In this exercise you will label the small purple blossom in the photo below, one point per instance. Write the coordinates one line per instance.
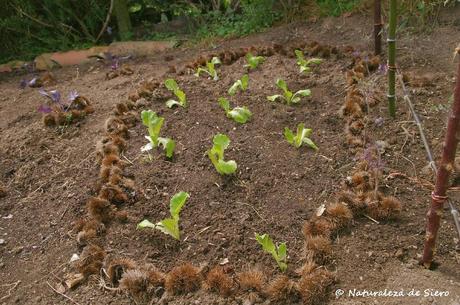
(73, 95)
(23, 84)
(372, 156)
(53, 95)
(383, 68)
(109, 30)
(115, 64)
(356, 53)
(379, 121)
(44, 109)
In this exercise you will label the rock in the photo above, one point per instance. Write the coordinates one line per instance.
(2, 242)
(141, 103)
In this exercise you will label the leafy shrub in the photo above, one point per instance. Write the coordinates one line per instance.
(171, 85)
(279, 252)
(154, 123)
(302, 137)
(170, 225)
(239, 84)
(288, 96)
(238, 114)
(216, 155)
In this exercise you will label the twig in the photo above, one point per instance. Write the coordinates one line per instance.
(63, 295)
(252, 208)
(107, 19)
(370, 218)
(15, 284)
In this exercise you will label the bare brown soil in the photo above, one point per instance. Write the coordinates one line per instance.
(49, 173)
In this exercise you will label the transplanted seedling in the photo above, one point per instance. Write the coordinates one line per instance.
(171, 85)
(154, 123)
(253, 61)
(305, 64)
(288, 96)
(302, 137)
(170, 225)
(216, 155)
(210, 68)
(239, 84)
(279, 252)
(238, 114)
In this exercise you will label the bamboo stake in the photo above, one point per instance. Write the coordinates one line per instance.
(378, 27)
(442, 179)
(432, 164)
(392, 59)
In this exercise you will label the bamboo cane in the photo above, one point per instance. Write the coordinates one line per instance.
(442, 179)
(392, 59)
(377, 27)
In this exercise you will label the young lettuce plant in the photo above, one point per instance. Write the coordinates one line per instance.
(170, 225)
(210, 68)
(253, 61)
(216, 155)
(238, 114)
(288, 96)
(302, 137)
(239, 84)
(305, 64)
(279, 252)
(154, 123)
(171, 85)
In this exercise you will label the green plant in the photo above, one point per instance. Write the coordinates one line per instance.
(305, 64)
(336, 7)
(171, 85)
(216, 155)
(238, 114)
(253, 61)
(241, 84)
(288, 96)
(210, 68)
(154, 124)
(279, 252)
(170, 225)
(302, 136)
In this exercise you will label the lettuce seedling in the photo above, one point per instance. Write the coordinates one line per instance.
(288, 96)
(241, 84)
(279, 253)
(301, 137)
(253, 61)
(238, 114)
(305, 64)
(154, 123)
(210, 68)
(171, 85)
(170, 225)
(216, 155)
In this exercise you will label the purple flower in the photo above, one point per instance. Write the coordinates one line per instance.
(379, 122)
(383, 68)
(109, 30)
(44, 109)
(356, 53)
(32, 82)
(73, 95)
(115, 64)
(23, 84)
(53, 95)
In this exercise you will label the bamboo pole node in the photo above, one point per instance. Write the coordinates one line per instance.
(391, 39)
(438, 198)
(391, 95)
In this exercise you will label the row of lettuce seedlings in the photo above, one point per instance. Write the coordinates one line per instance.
(145, 281)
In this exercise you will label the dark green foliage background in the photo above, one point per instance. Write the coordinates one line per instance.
(31, 27)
